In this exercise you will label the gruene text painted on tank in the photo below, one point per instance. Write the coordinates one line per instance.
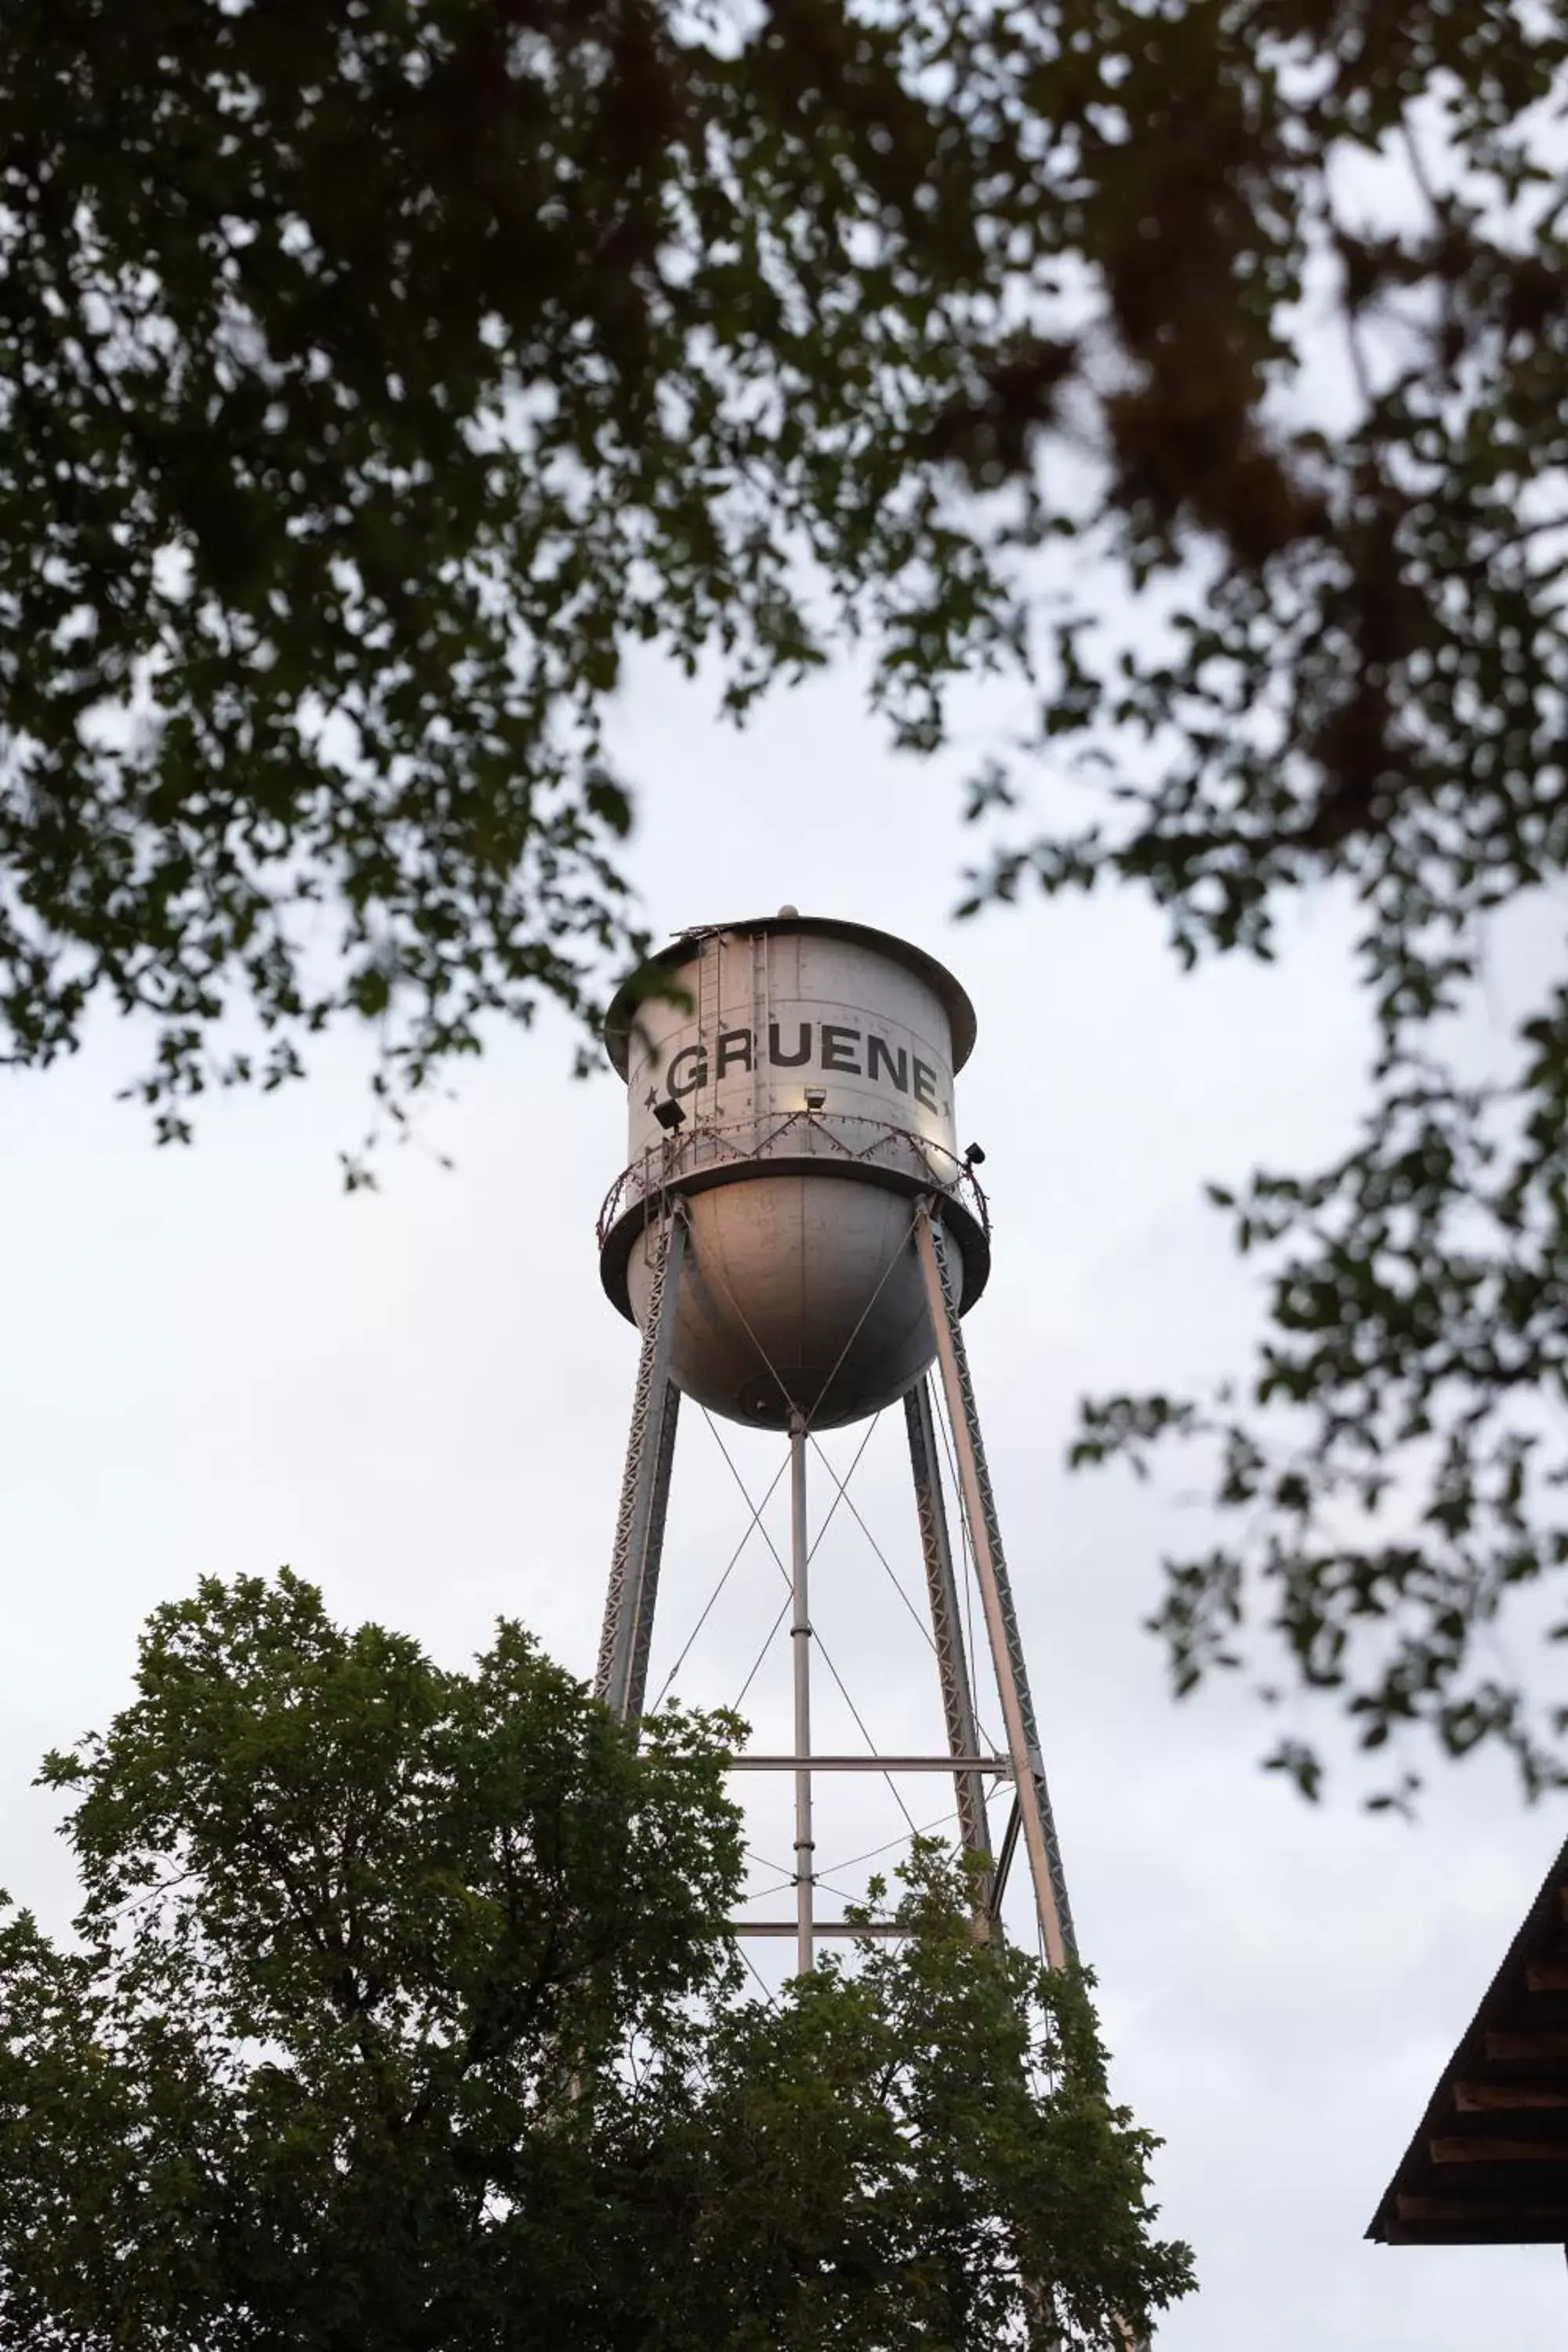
(828, 1046)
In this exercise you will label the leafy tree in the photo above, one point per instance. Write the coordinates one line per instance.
(400, 2013)
(1357, 533)
(374, 375)
(378, 373)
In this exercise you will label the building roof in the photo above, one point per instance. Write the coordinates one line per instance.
(1488, 2164)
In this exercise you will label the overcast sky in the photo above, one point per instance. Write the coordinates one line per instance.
(213, 1361)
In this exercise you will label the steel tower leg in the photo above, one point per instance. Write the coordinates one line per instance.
(800, 1645)
(1031, 1795)
(622, 1671)
(947, 1629)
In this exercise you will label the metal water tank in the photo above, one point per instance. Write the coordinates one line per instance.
(800, 1100)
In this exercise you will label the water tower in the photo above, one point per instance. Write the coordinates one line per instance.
(797, 1237)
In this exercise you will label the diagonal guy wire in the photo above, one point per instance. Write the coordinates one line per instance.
(756, 1509)
(822, 1646)
(892, 1574)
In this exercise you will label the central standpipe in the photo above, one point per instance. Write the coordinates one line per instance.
(800, 1643)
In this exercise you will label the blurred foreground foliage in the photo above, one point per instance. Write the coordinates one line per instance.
(378, 374)
(1335, 450)
(400, 2015)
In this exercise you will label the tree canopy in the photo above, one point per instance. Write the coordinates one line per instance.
(400, 2016)
(377, 374)
(374, 376)
(1350, 344)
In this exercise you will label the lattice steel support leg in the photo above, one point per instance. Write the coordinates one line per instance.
(645, 1489)
(947, 1630)
(1032, 1796)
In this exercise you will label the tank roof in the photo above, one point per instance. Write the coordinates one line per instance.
(955, 1004)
